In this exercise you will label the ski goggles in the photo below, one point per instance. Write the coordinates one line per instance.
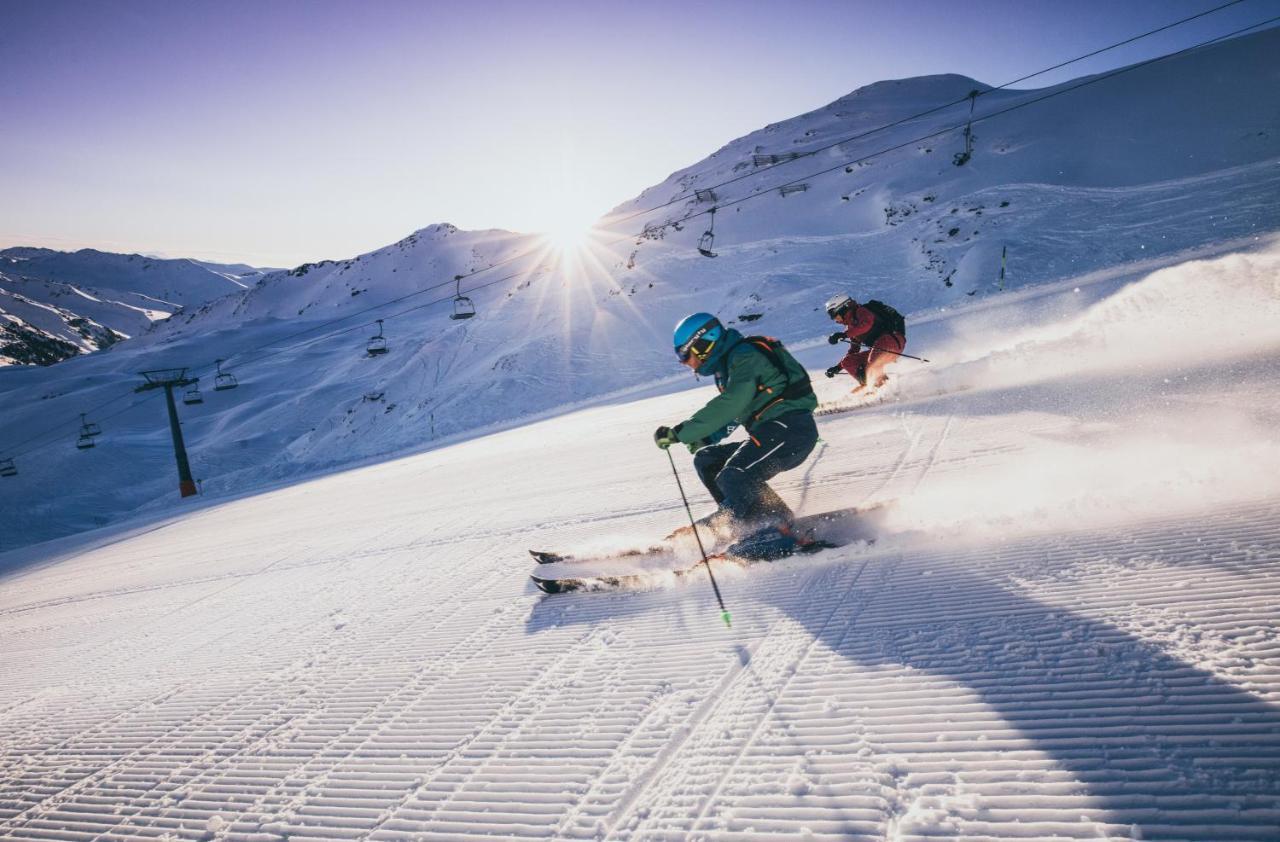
(696, 346)
(840, 309)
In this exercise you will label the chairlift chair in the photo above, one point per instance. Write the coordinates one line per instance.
(463, 308)
(84, 442)
(377, 344)
(962, 158)
(193, 396)
(708, 239)
(88, 428)
(223, 380)
(7, 468)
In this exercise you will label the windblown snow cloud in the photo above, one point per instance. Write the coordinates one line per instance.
(1164, 421)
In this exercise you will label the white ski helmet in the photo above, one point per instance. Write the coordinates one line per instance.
(839, 303)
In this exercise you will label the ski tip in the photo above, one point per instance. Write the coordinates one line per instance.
(547, 585)
(544, 557)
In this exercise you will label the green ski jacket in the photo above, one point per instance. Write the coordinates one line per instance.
(755, 385)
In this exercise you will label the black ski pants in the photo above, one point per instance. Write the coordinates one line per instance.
(737, 474)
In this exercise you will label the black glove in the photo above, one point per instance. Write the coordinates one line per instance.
(664, 437)
(836, 338)
(833, 371)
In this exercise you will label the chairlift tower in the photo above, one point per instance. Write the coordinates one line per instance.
(168, 379)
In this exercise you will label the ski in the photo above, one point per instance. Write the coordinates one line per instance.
(558, 572)
(622, 582)
(747, 551)
(544, 557)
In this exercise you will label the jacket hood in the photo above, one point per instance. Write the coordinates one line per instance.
(720, 352)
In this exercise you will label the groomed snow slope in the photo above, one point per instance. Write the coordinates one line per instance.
(1064, 629)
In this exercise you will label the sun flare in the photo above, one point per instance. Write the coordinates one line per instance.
(568, 236)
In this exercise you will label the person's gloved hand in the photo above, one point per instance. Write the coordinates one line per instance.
(664, 437)
(836, 338)
(695, 446)
(833, 371)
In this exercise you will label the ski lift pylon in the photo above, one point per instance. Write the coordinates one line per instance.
(377, 344)
(223, 380)
(708, 239)
(463, 308)
(7, 468)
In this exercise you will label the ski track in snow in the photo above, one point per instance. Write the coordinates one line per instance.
(1065, 628)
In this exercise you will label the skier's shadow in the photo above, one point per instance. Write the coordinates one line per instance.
(1156, 741)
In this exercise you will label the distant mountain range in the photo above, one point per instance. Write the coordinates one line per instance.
(55, 305)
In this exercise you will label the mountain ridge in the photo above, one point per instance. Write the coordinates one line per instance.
(55, 305)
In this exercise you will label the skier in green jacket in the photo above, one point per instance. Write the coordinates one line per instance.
(767, 392)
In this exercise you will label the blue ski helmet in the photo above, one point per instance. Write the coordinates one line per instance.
(696, 335)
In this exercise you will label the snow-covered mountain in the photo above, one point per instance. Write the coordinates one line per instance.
(55, 305)
(1177, 158)
(1054, 618)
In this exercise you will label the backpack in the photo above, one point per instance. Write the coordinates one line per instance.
(798, 385)
(888, 320)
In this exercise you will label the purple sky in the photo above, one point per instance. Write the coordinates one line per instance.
(278, 132)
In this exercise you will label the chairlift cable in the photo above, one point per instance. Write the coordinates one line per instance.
(525, 254)
(363, 325)
(58, 431)
(371, 308)
(44, 440)
(1090, 81)
(51, 434)
(811, 152)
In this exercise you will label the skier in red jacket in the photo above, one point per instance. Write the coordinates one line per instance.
(875, 325)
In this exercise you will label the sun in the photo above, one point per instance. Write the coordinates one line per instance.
(567, 222)
(568, 236)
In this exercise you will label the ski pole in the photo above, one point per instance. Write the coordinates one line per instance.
(898, 353)
(724, 612)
